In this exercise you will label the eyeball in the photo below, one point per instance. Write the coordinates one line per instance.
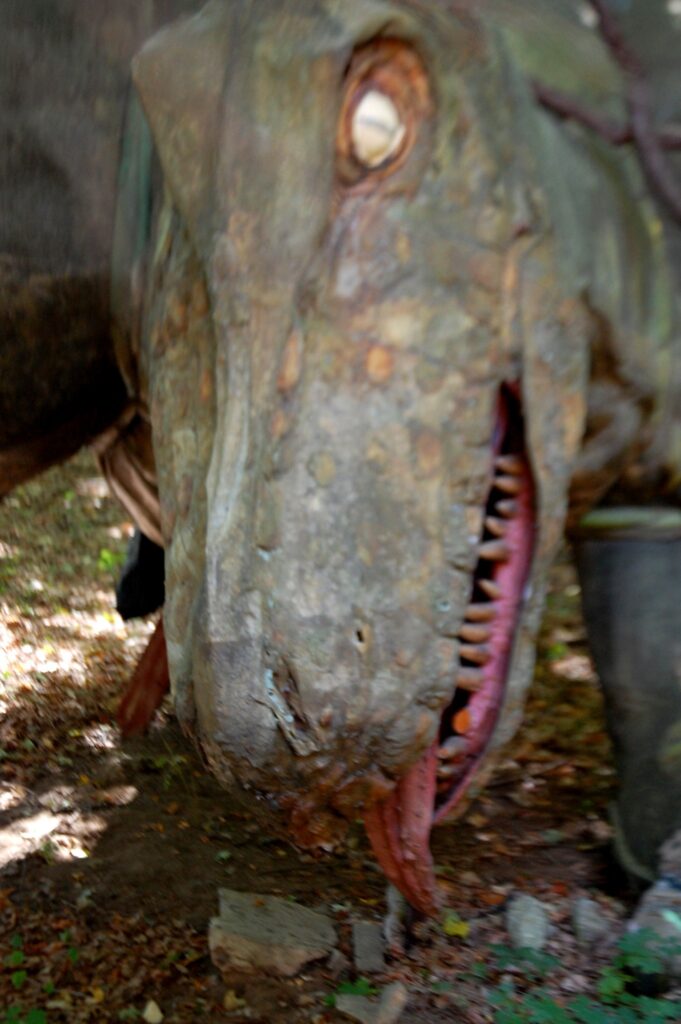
(385, 114)
(376, 129)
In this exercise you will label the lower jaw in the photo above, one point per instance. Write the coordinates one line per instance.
(399, 827)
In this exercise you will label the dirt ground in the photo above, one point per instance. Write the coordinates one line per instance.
(112, 854)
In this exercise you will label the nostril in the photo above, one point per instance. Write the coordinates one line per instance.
(362, 637)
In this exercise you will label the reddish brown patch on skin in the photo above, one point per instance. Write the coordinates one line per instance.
(149, 684)
(404, 658)
(199, 299)
(428, 452)
(291, 363)
(177, 314)
(447, 654)
(279, 425)
(361, 792)
(487, 270)
(379, 364)
(423, 727)
(206, 386)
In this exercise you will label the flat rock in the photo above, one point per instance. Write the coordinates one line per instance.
(588, 921)
(266, 933)
(527, 921)
(357, 1008)
(394, 998)
(387, 1010)
(368, 947)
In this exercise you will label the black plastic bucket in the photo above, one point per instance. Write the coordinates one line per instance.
(629, 563)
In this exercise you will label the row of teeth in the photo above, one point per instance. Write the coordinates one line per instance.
(476, 630)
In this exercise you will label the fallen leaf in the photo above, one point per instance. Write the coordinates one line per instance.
(492, 899)
(477, 820)
(455, 926)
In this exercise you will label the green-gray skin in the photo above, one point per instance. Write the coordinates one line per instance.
(322, 363)
(321, 356)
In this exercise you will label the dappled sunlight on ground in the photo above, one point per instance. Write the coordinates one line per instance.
(112, 853)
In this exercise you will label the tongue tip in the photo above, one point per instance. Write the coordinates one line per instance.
(399, 832)
(414, 879)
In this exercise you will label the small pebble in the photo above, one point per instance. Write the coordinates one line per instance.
(387, 1010)
(588, 921)
(152, 1013)
(368, 947)
(393, 1001)
(527, 921)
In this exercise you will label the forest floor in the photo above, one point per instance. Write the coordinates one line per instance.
(112, 853)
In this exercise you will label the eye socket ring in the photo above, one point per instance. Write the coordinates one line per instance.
(385, 108)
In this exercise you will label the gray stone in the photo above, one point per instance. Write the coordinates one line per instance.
(357, 1008)
(387, 1010)
(265, 933)
(660, 910)
(527, 921)
(394, 928)
(338, 964)
(368, 947)
(394, 998)
(588, 921)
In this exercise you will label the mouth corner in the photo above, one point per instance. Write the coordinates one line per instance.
(399, 828)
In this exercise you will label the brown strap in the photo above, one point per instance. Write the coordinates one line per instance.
(126, 458)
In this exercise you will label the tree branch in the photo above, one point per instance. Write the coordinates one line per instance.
(640, 130)
(640, 105)
(568, 109)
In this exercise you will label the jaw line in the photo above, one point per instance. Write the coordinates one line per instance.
(399, 827)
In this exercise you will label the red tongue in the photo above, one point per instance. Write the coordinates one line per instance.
(399, 832)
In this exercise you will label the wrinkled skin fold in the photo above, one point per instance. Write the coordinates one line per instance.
(369, 391)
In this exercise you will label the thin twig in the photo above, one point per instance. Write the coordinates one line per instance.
(639, 130)
(639, 103)
(568, 109)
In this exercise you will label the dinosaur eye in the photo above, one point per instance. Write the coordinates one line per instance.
(385, 112)
(376, 129)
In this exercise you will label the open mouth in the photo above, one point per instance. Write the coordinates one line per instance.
(399, 827)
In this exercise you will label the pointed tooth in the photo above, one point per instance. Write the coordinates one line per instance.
(497, 527)
(475, 632)
(513, 464)
(470, 679)
(492, 589)
(494, 551)
(512, 485)
(477, 653)
(480, 611)
(448, 771)
(507, 507)
(452, 747)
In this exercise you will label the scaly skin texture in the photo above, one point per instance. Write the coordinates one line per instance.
(375, 395)
(323, 352)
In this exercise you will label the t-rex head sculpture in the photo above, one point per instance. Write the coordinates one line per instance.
(365, 350)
